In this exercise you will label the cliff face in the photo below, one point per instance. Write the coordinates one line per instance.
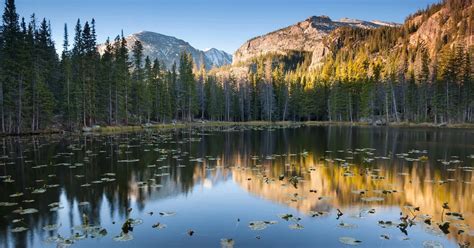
(444, 25)
(304, 36)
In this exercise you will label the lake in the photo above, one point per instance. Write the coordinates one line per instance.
(328, 186)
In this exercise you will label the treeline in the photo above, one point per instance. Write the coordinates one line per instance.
(81, 88)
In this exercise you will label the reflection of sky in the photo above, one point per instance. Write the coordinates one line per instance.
(213, 212)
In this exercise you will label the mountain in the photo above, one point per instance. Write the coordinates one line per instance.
(218, 57)
(306, 36)
(167, 49)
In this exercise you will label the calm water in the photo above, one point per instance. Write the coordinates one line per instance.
(214, 183)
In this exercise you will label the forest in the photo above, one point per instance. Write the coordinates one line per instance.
(370, 75)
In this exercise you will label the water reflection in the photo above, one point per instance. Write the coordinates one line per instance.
(118, 176)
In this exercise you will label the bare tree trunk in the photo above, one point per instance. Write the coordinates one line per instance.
(447, 101)
(20, 94)
(1, 107)
(394, 101)
(116, 105)
(110, 102)
(386, 106)
(126, 105)
(285, 108)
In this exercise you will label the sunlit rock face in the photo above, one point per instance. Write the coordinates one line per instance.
(304, 36)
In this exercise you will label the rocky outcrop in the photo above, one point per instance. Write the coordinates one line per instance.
(304, 36)
(439, 26)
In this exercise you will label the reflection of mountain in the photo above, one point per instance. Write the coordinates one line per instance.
(235, 156)
(413, 189)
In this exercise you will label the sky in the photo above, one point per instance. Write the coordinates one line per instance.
(222, 24)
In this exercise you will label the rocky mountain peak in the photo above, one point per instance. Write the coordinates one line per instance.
(168, 48)
(306, 36)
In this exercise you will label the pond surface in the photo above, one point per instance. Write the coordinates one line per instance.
(327, 186)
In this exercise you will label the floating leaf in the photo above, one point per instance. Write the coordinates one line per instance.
(227, 243)
(123, 237)
(432, 244)
(28, 211)
(372, 199)
(349, 241)
(85, 203)
(159, 226)
(16, 195)
(19, 229)
(39, 191)
(52, 227)
(347, 225)
(296, 226)
(260, 225)
(8, 204)
(167, 214)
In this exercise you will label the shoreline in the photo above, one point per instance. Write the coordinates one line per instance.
(180, 125)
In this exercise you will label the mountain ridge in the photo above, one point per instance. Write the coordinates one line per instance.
(304, 36)
(167, 49)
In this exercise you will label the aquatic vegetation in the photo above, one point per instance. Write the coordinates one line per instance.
(347, 225)
(227, 243)
(432, 244)
(260, 225)
(123, 237)
(28, 211)
(349, 241)
(167, 214)
(296, 226)
(8, 204)
(372, 199)
(52, 227)
(19, 229)
(159, 225)
(346, 188)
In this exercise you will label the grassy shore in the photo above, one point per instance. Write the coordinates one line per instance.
(114, 129)
(223, 124)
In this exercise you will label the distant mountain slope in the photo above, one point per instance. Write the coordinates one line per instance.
(218, 57)
(167, 49)
(304, 36)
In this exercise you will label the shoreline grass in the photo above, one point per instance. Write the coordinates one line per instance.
(169, 126)
(112, 129)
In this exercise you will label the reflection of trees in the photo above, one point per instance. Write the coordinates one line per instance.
(100, 154)
(329, 179)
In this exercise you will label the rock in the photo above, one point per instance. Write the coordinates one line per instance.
(306, 36)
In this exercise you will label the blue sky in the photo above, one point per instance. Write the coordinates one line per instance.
(223, 24)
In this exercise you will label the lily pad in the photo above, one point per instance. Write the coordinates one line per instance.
(349, 241)
(52, 227)
(432, 244)
(296, 226)
(28, 211)
(372, 199)
(260, 225)
(347, 225)
(227, 243)
(19, 229)
(159, 226)
(167, 214)
(123, 237)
